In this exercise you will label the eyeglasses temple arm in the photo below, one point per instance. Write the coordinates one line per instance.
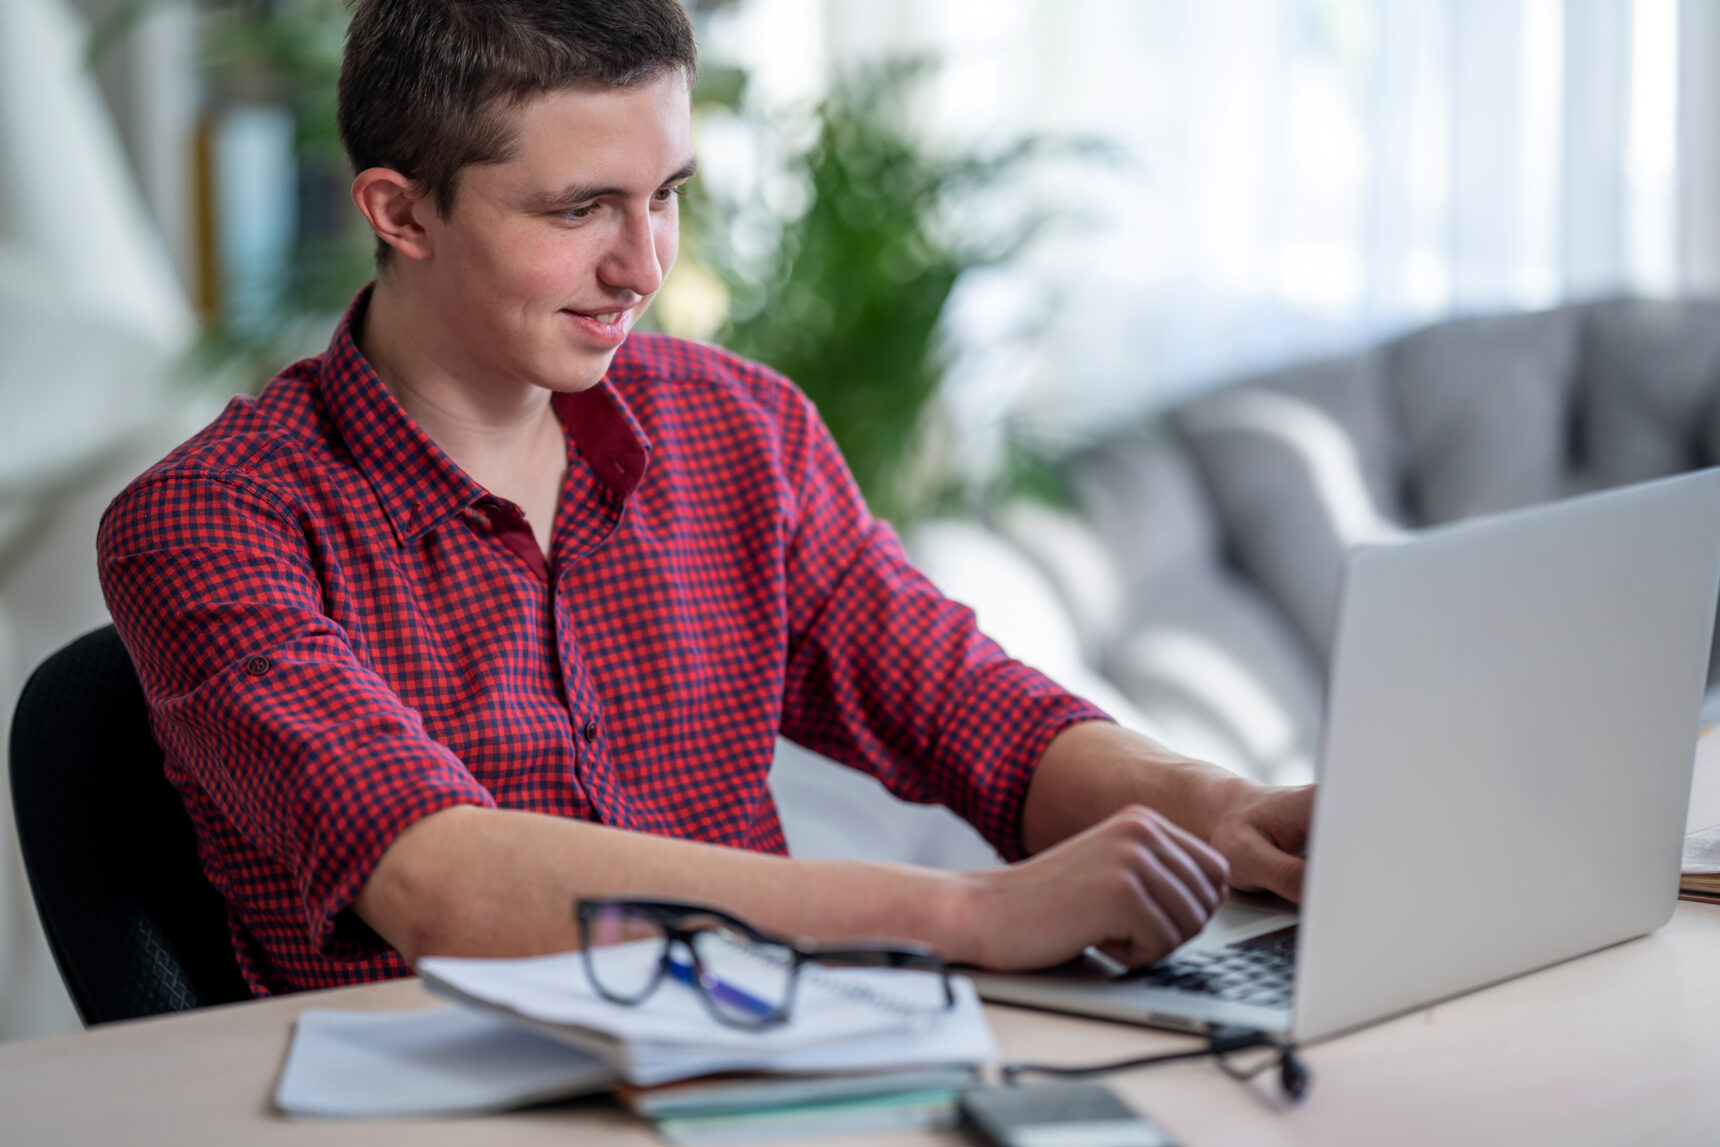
(720, 990)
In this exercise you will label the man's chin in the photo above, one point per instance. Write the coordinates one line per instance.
(587, 374)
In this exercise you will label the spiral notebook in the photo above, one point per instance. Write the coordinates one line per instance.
(843, 1020)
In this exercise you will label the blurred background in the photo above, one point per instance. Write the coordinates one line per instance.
(1045, 267)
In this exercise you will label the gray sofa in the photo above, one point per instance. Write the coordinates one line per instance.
(1191, 587)
(1225, 519)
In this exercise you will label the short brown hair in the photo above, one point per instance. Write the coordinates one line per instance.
(422, 81)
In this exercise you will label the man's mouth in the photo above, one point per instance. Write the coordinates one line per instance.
(607, 326)
(609, 316)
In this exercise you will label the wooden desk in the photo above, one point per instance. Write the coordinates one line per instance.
(1619, 1046)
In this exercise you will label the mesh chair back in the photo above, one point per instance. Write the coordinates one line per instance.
(134, 925)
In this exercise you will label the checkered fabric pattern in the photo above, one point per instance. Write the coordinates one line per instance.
(340, 632)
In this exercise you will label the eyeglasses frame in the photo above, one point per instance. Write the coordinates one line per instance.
(669, 915)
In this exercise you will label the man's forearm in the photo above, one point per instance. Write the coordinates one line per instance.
(486, 882)
(1093, 769)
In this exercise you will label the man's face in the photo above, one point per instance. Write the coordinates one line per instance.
(546, 261)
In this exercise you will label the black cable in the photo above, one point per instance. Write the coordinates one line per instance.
(1292, 1074)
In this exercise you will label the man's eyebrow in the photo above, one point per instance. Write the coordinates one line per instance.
(688, 170)
(586, 192)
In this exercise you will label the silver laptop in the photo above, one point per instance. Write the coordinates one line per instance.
(1510, 729)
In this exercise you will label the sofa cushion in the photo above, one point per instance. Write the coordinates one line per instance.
(1484, 413)
(1141, 492)
(1648, 386)
(1193, 628)
(1220, 676)
(1076, 563)
(1349, 389)
(1015, 605)
(1288, 483)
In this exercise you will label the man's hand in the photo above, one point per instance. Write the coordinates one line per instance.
(1263, 833)
(1134, 885)
(1092, 769)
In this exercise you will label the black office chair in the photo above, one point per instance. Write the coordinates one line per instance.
(134, 925)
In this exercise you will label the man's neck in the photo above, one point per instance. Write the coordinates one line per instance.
(504, 433)
(464, 413)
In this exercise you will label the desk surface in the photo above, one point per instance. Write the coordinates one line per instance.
(1622, 1045)
(1619, 1046)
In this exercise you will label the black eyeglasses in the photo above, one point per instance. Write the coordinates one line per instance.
(745, 977)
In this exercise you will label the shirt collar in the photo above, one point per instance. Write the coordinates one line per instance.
(419, 485)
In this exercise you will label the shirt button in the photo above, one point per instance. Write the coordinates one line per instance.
(589, 732)
(257, 666)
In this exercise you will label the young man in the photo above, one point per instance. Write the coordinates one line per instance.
(495, 605)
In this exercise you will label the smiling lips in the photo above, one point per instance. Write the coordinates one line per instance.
(603, 326)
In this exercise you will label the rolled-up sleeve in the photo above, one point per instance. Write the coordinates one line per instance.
(889, 676)
(275, 728)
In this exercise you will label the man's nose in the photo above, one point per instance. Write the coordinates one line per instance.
(632, 263)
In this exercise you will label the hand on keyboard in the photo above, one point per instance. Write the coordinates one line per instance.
(1134, 885)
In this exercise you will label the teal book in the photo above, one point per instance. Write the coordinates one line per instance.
(755, 1107)
(907, 1109)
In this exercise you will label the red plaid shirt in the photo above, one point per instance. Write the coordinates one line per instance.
(340, 632)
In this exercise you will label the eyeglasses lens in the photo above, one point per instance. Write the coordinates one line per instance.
(746, 980)
(624, 952)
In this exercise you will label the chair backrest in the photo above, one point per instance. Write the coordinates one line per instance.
(134, 925)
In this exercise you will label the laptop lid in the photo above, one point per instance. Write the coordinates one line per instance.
(1510, 731)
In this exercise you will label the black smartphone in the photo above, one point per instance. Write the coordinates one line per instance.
(1049, 1114)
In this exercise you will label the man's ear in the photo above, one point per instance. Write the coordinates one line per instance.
(393, 206)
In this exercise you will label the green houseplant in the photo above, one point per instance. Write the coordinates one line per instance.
(848, 299)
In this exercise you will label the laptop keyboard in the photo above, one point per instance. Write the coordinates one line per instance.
(1258, 972)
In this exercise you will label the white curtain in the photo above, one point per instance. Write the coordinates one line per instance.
(1306, 175)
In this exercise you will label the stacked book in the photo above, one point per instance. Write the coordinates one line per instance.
(791, 1107)
(534, 1030)
(1700, 879)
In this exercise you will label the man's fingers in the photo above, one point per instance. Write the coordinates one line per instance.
(1184, 864)
(1210, 861)
(1277, 871)
(1287, 824)
(1167, 863)
(1203, 867)
(1164, 887)
(1289, 871)
(1148, 934)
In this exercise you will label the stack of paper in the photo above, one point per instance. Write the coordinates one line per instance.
(535, 1030)
(444, 1061)
(843, 1020)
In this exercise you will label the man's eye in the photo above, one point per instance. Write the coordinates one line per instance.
(664, 194)
(577, 213)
